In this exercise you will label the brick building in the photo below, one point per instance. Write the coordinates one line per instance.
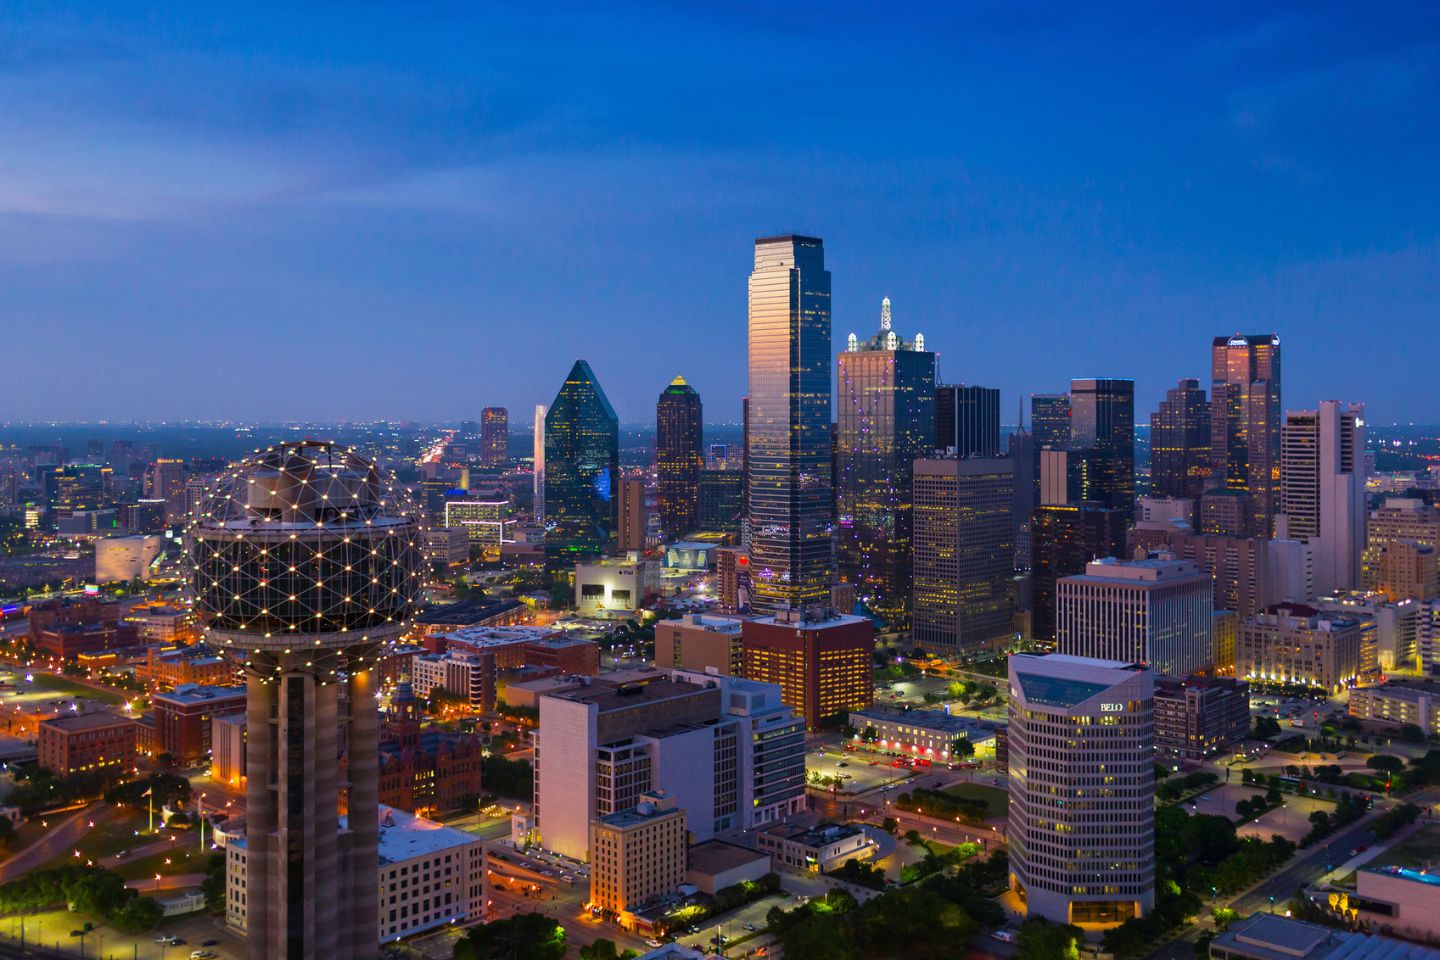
(182, 719)
(823, 666)
(87, 742)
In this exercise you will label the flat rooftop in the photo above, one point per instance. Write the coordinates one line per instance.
(404, 836)
(482, 637)
(1151, 570)
(191, 693)
(937, 720)
(465, 612)
(643, 812)
(717, 856)
(86, 721)
(611, 696)
(814, 837)
(1269, 936)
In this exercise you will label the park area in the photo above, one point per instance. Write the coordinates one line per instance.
(1291, 820)
(996, 800)
(1420, 850)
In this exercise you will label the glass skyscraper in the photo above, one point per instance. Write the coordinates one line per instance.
(885, 422)
(967, 418)
(582, 469)
(679, 455)
(1102, 419)
(791, 508)
(1180, 443)
(1245, 421)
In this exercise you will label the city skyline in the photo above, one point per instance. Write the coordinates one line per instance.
(415, 194)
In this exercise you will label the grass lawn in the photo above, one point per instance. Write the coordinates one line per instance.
(115, 835)
(66, 687)
(996, 800)
(1420, 849)
(181, 861)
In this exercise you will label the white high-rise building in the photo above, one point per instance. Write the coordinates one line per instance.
(728, 750)
(1156, 611)
(1082, 788)
(1322, 490)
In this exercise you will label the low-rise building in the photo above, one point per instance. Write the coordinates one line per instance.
(715, 865)
(447, 546)
(614, 586)
(430, 875)
(701, 642)
(125, 558)
(166, 669)
(637, 856)
(1293, 643)
(1198, 717)
(818, 848)
(1399, 702)
(163, 623)
(1270, 936)
(227, 750)
(86, 743)
(183, 719)
(926, 734)
(1399, 900)
(449, 617)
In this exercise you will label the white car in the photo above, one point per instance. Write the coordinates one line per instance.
(654, 944)
(201, 954)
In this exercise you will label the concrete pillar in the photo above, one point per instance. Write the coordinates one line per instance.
(259, 815)
(364, 816)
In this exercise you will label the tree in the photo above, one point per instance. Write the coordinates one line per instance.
(1042, 940)
(870, 735)
(962, 747)
(525, 936)
(1385, 763)
(1266, 727)
(601, 949)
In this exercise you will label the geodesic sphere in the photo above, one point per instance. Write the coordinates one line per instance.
(305, 547)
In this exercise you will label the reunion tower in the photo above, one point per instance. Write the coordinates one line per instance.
(305, 564)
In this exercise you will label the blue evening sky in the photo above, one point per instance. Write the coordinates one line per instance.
(411, 211)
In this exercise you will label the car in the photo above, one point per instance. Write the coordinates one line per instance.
(201, 954)
(750, 927)
(654, 944)
(210, 943)
(122, 854)
(842, 764)
(1004, 936)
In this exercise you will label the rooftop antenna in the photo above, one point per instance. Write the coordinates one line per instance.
(885, 314)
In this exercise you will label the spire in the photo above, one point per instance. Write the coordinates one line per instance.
(679, 381)
(885, 314)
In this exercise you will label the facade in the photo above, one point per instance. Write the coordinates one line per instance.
(614, 586)
(467, 675)
(823, 666)
(637, 856)
(582, 470)
(729, 752)
(963, 553)
(1180, 443)
(631, 520)
(1222, 512)
(1399, 702)
(1322, 490)
(196, 665)
(447, 546)
(305, 568)
(722, 499)
(227, 750)
(679, 455)
(967, 420)
(814, 849)
(125, 558)
(183, 716)
(1063, 539)
(787, 448)
(1405, 570)
(494, 436)
(701, 643)
(1050, 420)
(1245, 422)
(1102, 419)
(427, 772)
(1156, 612)
(1297, 644)
(166, 481)
(86, 743)
(1082, 788)
(1199, 717)
(1389, 638)
(732, 575)
(1270, 936)
(537, 470)
(430, 875)
(485, 522)
(886, 421)
(1397, 520)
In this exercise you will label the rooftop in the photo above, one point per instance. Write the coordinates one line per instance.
(652, 806)
(1269, 936)
(404, 836)
(85, 721)
(608, 695)
(464, 613)
(929, 719)
(188, 693)
(717, 856)
(482, 637)
(816, 836)
(1150, 570)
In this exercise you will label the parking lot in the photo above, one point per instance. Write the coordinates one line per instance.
(1292, 820)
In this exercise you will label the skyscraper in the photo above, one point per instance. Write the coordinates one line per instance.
(582, 470)
(1050, 419)
(1156, 612)
(494, 436)
(306, 566)
(679, 455)
(631, 521)
(887, 421)
(1322, 495)
(1102, 418)
(1245, 421)
(1063, 539)
(968, 420)
(1180, 443)
(964, 553)
(537, 478)
(788, 436)
(1082, 788)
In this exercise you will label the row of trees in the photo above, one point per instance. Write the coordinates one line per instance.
(1348, 809)
(89, 890)
(938, 803)
(508, 778)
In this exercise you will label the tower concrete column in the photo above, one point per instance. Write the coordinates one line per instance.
(363, 818)
(261, 902)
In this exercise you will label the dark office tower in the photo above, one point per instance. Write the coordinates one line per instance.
(582, 470)
(306, 566)
(886, 405)
(1246, 421)
(1102, 418)
(679, 455)
(94, 451)
(1022, 460)
(494, 436)
(1050, 420)
(721, 496)
(1180, 443)
(967, 420)
(120, 456)
(964, 553)
(745, 466)
(1062, 540)
(792, 552)
(469, 430)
